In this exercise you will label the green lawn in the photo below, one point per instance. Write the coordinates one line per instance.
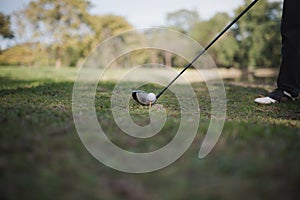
(42, 157)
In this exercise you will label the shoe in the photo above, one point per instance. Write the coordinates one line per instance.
(278, 95)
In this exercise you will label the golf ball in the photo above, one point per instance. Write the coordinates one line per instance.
(151, 97)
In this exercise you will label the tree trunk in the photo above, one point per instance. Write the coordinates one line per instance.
(154, 58)
(58, 58)
(247, 75)
(168, 59)
(58, 63)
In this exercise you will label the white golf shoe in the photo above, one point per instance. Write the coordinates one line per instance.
(278, 95)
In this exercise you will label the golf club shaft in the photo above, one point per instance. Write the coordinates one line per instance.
(208, 46)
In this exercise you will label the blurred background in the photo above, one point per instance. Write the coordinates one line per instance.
(62, 33)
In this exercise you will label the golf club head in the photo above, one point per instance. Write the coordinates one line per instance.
(141, 97)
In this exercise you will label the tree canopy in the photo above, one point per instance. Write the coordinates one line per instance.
(258, 36)
(65, 28)
(183, 19)
(5, 30)
(254, 41)
(65, 32)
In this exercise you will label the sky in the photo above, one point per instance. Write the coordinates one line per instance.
(145, 13)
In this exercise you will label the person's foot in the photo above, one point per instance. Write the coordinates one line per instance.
(278, 95)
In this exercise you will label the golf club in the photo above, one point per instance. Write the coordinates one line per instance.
(145, 98)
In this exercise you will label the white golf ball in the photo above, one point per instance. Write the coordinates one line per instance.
(151, 97)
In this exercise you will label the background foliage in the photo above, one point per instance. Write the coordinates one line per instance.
(64, 32)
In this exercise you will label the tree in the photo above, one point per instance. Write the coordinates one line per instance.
(27, 54)
(105, 26)
(58, 22)
(66, 29)
(258, 36)
(183, 19)
(223, 51)
(5, 30)
(254, 41)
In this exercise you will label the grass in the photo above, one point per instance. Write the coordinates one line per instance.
(256, 157)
